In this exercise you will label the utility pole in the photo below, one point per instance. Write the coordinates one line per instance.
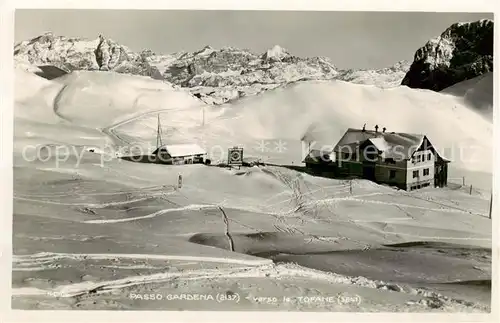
(158, 134)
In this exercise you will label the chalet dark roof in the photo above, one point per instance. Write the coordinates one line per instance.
(50, 72)
(181, 150)
(390, 144)
(318, 156)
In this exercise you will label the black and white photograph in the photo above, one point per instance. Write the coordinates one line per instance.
(252, 161)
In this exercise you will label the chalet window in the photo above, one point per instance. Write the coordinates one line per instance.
(429, 156)
(415, 173)
(392, 174)
(426, 171)
(418, 158)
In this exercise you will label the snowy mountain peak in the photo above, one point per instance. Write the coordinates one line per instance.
(275, 53)
(207, 50)
(481, 23)
(403, 64)
(47, 34)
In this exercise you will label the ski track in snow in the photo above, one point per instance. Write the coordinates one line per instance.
(92, 205)
(99, 205)
(261, 270)
(48, 257)
(72, 290)
(436, 237)
(355, 198)
(65, 194)
(110, 130)
(155, 214)
(267, 271)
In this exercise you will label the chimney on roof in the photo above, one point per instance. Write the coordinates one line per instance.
(376, 128)
(384, 129)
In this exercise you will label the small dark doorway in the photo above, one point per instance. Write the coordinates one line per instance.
(369, 170)
(441, 173)
(369, 158)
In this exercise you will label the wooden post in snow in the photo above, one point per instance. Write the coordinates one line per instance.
(463, 181)
(491, 204)
(470, 192)
(350, 186)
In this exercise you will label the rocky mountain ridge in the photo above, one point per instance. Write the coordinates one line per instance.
(384, 77)
(213, 75)
(462, 52)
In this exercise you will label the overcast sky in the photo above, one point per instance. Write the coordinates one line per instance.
(349, 39)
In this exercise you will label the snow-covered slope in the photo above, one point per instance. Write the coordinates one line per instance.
(114, 97)
(461, 52)
(27, 84)
(90, 224)
(78, 107)
(476, 92)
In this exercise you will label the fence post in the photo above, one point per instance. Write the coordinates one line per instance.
(470, 190)
(491, 203)
(179, 182)
(350, 186)
(463, 181)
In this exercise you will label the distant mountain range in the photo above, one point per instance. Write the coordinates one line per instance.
(217, 76)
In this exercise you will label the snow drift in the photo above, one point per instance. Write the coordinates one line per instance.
(96, 99)
(476, 92)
